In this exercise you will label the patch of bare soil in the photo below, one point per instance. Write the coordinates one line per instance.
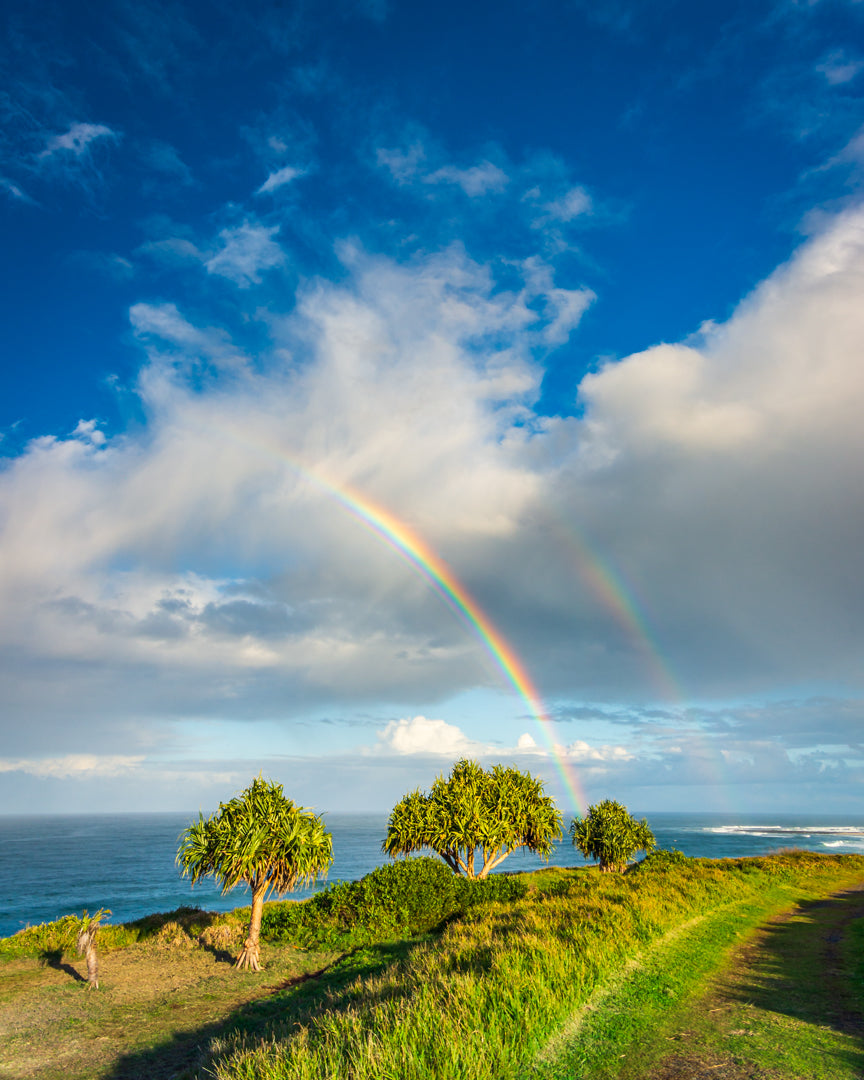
(797, 972)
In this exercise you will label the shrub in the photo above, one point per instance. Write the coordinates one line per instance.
(403, 898)
(661, 860)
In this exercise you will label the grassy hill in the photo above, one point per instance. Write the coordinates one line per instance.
(413, 974)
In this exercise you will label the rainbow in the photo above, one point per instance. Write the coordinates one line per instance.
(612, 593)
(422, 558)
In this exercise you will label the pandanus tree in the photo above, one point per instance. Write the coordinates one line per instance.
(610, 834)
(475, 812)
(262, 839)
(86, 944)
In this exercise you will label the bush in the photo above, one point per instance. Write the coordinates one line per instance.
(662, 860)
(407, 897)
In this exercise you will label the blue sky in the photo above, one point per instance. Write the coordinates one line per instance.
(570, 289)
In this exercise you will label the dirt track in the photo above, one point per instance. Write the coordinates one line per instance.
(792, 967)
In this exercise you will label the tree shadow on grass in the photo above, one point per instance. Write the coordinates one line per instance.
(278, 1011)
(53, 958)
(796, 968)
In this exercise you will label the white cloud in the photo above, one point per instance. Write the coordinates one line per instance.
(88, 432)
(73, 765)
(475, 181)
(246, 250)
(838, 68)
(189, 567)
(15, 192)
(411, 164)
(574, 203)
(563, 308)
(583, 751)
(422, 736)
(403, 165)
(77, 139)
(279, 179)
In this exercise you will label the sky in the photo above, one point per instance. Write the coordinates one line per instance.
(385, 383)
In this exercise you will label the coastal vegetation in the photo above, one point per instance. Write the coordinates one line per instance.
(551, 974)
(259, 838)
(475, 811)
(611, 835)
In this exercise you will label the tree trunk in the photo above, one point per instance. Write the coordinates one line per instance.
(250, 956)
(87, 947)
(92, 965)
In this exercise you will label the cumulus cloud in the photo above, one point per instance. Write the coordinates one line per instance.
(422, 736)
(699, 516)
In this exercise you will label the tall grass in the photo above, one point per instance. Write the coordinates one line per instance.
(483, 999)
(59, 936)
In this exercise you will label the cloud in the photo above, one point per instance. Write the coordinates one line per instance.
(15, 192)
(838, 68)
(475, 181)
(411, 163)
(574, 203)
(422, 736)
(88, 432)
(164, 160)
(403, 165)
(168, 336)
(279, 179)
(246, 250)
(77, 140)
(81, 766)
(696, 521)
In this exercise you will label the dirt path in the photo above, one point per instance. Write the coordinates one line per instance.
(792, 977)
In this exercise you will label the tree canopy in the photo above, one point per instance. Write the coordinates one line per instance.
(263, 839)
(610, 834)
(491, 812)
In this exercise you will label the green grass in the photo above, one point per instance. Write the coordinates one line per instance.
(576, 974)
(789, 1003)
(487, 997)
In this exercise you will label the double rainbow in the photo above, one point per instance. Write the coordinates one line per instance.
(422, 558)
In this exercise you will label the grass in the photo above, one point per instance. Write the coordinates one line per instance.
(787, 1004)
(487, 998)
(586, 975)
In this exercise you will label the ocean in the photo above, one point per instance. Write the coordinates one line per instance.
(53, 865)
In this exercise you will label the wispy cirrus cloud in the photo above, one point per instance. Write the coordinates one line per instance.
(77, 140)
(15, 192)
(279, 179)
(246, 251)
(241, 253)
(475, 181)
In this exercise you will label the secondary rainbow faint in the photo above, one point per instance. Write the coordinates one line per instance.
(419, 555)
(613, 593)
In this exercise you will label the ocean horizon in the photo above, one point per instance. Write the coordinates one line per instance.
(56, 864)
